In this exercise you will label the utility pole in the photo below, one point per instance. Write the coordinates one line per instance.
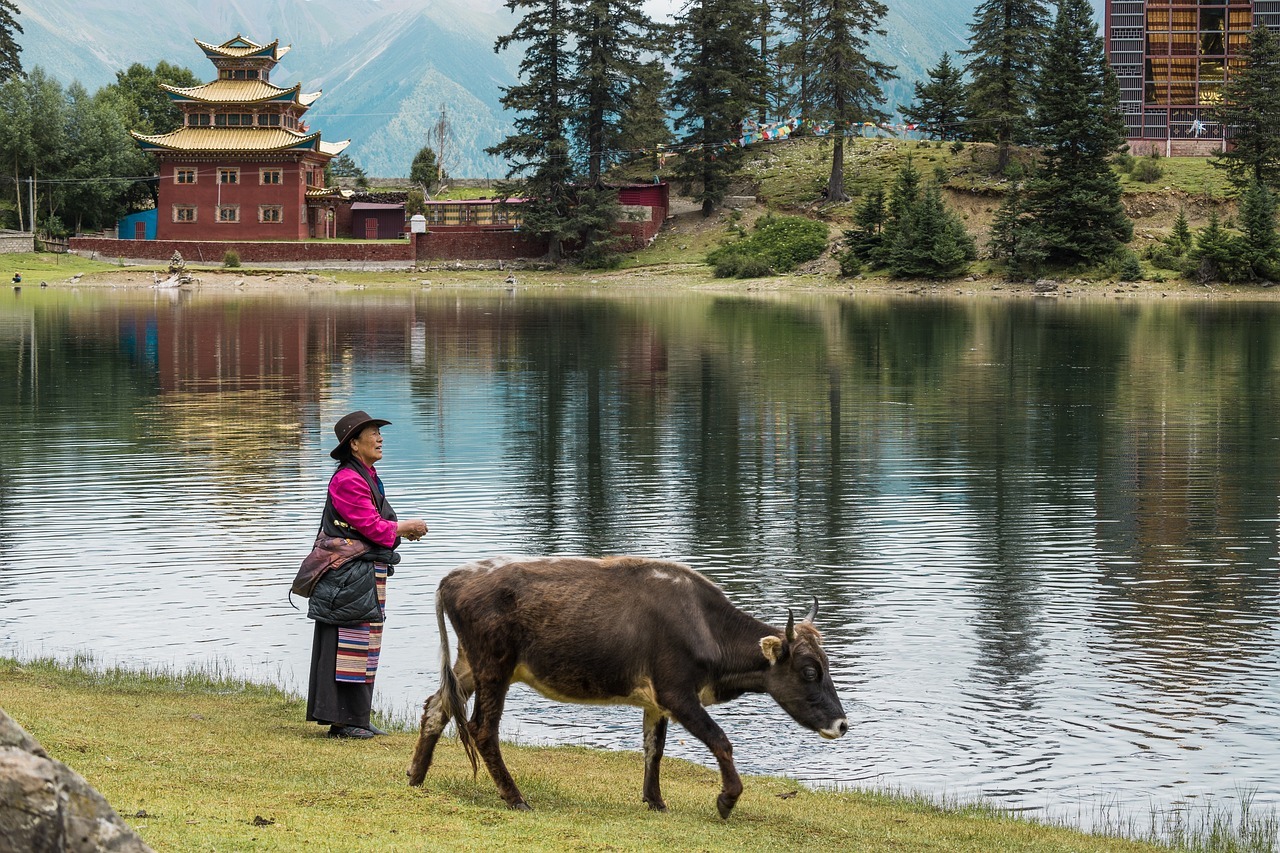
(31, 187)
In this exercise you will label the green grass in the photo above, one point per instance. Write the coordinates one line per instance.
(38, 266)
(207, 761)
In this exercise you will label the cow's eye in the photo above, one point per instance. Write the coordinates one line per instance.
(810, 673)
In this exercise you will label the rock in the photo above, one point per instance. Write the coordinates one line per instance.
(45, 805)
(313, 278)
(1045, 285)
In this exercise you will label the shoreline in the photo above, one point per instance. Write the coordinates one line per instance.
(692, 277)
(181, 757)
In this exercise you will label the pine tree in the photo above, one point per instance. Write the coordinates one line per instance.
(606, 63)
(898, 232)
(864, 238)
(1250, 113)
(642, 127)
(716, 88)
(1075, 195)
(1015, 238)
(846, 82)
(1258, 221)
(939, 106)
(796, 57)
(1180, 238)
(541, 168)
(1003, 52)
(1218, 254)
(10, 63)
(929, 241)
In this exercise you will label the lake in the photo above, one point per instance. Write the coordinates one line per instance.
(1043, 533)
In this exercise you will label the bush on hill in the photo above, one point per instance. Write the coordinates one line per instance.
(778, 244)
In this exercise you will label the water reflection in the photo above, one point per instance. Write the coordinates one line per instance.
(1043, 533)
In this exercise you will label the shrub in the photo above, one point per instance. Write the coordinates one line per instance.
(1125, 265)
(778, 244)
(1123, 162)
(1164, 256)
(231, 258)
(1148, 169)
(957, 147)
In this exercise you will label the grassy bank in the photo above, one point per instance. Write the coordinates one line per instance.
(201, 763)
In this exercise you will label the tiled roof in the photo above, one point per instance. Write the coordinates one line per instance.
(241, 47)
(215, 139)
(237, 92)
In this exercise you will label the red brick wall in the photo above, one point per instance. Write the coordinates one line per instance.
(211, 252)
(478, 245)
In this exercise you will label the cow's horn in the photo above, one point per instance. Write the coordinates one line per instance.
(791, 626)
(813, 611)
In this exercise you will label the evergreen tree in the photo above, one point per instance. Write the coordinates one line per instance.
(642, 128)
(10, 64)
(1015, 239)
(904, 195)
(1219, 255)
(1180, 239)
(846, 82)
(796, 56)
(1258, 220)
(1075, 195)
(939, 106)
(930, 241)
(1250, 114)
(716, 88)
(541, 169)
(606, 63)
(864, 238)
(1003, 54)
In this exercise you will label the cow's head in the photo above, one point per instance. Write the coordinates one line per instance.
(799, 677)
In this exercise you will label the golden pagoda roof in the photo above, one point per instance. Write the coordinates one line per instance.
(238, 92)
(242, 48)
(244, 139)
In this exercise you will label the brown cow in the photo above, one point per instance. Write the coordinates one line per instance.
(622, 630)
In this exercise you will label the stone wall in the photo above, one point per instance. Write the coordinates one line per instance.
(45, 805)
(15, 241)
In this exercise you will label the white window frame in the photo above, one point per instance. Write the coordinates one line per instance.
(181, 207)
(235, 210)
(224, 172)
(262, 213)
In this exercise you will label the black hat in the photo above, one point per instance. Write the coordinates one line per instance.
(350, 426)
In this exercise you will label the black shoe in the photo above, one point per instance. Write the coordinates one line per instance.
(350, 732)
(377, 731)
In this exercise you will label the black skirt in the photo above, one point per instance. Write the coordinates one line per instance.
(331, 702)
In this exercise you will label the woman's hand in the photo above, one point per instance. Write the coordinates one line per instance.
(413, 529)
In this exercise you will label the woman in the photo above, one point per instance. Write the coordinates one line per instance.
(349, 601)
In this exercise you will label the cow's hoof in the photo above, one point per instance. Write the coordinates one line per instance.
(725, 805)
(659, 806)
(520, 806)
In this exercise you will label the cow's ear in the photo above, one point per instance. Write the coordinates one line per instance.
(772, 648)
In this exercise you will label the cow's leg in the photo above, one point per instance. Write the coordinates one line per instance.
(434, 722)
(491, 696)
(655, 740)
(697, 722)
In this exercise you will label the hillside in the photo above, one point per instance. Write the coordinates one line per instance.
(386, 66)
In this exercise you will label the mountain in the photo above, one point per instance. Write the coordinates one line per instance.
(386, 66)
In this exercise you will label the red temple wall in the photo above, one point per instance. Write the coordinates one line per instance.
(207, 193)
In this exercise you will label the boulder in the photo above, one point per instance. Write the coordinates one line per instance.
(47, 806)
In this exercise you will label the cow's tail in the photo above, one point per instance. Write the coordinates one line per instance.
(453, 702)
